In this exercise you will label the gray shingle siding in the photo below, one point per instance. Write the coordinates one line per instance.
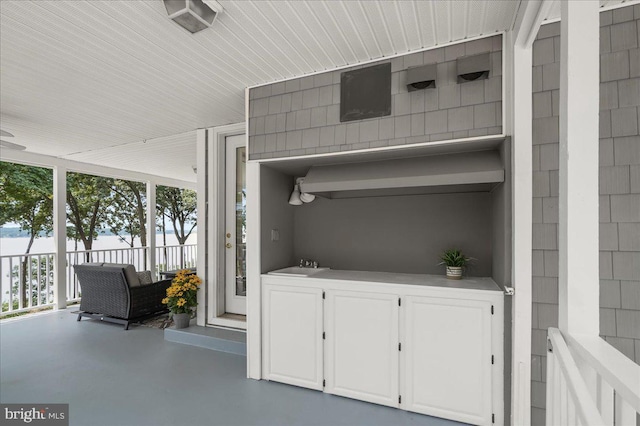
(619, 188)
(451, 111)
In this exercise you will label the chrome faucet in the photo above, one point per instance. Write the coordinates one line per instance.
(307, 263)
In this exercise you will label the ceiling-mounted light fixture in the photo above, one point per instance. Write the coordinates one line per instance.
(193, 15)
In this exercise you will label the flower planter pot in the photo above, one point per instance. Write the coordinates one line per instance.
(181, 320)
(454, 272)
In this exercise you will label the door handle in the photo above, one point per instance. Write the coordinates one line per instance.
(228, 245)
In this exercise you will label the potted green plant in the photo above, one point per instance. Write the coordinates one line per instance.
(454, 261)
(182, 297)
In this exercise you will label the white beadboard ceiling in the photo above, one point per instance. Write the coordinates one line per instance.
(116, 83)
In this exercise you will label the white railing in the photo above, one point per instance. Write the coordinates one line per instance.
(169, 258)
(27, 281)
(589, 382)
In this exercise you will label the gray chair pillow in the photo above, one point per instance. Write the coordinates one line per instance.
(129, 273)
(145, 277)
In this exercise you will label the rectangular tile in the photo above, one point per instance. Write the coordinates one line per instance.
(550, 210)
(608, 236)
(624, 36)
(630, 294)
(545, 290)
(629, 92)
(460, 118)
(551, 263)
(472, 93)
(624, 122)
(545, 236)
(402, 126)
(625, 208)
(606, 265)
(625, 265)
(607, 322)
(542, 104)
(368, 130)
(628, 323)
(610, 294)
(614, 180)
(614, 66)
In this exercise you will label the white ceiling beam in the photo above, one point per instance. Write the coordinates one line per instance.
(40, 160)
(528, 20)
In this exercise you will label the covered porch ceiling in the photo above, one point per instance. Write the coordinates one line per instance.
(118, 84)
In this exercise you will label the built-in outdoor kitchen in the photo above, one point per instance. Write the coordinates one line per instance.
(366, 176)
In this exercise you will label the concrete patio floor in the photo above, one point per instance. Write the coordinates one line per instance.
(132, 378)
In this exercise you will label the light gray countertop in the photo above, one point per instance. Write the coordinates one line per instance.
(472, 283)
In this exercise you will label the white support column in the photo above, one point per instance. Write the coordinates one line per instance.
(151, 226)
(578, 205)
(522, 234)
(60, 237)
(203, 231)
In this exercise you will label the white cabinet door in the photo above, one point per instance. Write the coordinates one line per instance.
(292, 335)
(361, 346)
(446, 358)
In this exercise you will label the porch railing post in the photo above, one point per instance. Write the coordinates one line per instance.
(151, 227)
(60, 237)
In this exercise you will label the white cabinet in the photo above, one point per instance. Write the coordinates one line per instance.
(292, 335)
(362, 346)
(437, 348)
(447, 358)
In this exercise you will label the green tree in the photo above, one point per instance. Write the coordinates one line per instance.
(87, 200)
(127, 213)
(26, 197)
(179, 206)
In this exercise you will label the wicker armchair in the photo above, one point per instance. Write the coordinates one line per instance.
(113, 293)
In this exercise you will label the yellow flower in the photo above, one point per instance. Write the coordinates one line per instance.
(165, 300)
(181, 302)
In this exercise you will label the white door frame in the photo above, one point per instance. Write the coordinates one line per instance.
(211, 249)
(233, 303)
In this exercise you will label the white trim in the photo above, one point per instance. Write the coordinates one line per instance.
(254, 288)
(214, 202)
(60, 237)
(370, 61)
(578, 228)
(384, 148)
(201, 193)
(33, 159)
(228, 323)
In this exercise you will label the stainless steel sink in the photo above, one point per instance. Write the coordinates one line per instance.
(296, 271)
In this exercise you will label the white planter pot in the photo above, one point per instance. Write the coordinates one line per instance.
(454, 272)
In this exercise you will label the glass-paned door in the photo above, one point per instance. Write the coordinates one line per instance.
(235, 232)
